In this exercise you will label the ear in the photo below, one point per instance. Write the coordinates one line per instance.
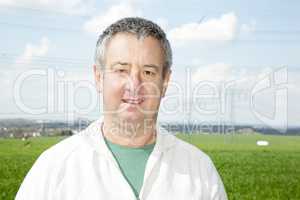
(98, 78)
(166, 81)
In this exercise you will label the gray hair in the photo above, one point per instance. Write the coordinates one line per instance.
(139, 27)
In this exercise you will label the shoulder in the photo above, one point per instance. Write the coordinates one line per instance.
(188, 150)
(187, 157)
(48, 170)
(76, 145)
(190, 160)
(52, 160)
(62, 150)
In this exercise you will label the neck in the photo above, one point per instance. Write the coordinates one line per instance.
(129, 133)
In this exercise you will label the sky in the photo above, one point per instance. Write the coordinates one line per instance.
(234, 62)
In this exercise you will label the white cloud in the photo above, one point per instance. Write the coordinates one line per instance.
(269, 108)
(70, 7)
(214, 72)
(244, 78)
(32, 50)
(8, 75)
(124, 9)
(248, 28)
(220, 29)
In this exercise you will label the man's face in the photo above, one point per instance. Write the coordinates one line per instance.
(133, 81)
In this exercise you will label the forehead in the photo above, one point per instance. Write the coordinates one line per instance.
(128, 47)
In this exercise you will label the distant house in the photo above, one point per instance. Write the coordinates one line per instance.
(31, 134)
(36, 134)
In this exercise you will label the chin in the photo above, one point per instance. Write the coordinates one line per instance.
(132, 118)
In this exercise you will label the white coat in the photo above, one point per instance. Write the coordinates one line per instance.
(82, 167)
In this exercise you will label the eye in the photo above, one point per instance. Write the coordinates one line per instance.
(149, 73)
(121, 70)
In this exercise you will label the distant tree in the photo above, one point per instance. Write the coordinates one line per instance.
(66, 133)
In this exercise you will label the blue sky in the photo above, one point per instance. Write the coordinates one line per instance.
(217, 41)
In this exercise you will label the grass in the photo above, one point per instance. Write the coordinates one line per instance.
(249, 172)
(16, 158)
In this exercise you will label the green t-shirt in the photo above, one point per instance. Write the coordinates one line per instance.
(132, 162)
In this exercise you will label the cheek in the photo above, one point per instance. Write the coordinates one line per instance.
(112, 91)
(153, 94)
(153, 89)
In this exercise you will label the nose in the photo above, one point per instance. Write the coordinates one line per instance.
(134, 82)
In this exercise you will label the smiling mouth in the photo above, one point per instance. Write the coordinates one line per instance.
(133, 101)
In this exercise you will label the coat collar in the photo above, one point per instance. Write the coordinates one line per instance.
(93, 135)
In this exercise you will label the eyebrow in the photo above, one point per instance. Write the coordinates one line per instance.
(125, 63)
(119, 63)
(152, 66)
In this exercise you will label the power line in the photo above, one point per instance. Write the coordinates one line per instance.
(42, 62)
(34, 27)
(48, 64)
(6, 56)
(40, 10)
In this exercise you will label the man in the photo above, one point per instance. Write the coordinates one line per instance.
(125, 154)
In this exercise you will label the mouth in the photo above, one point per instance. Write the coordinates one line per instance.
(133, 101)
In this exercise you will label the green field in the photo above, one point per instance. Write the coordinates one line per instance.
(248, 171)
